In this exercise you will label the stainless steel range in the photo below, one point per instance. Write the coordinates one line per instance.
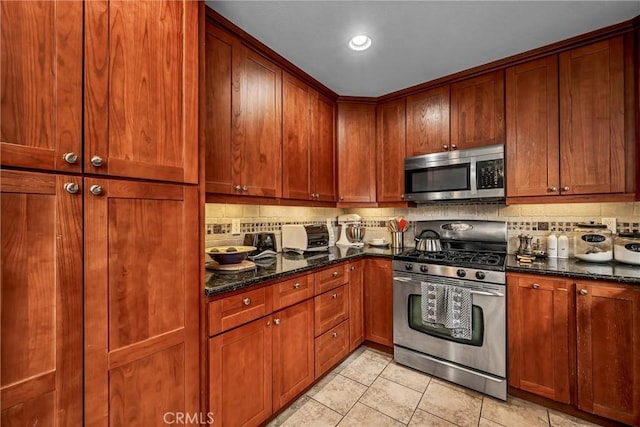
(449, 307)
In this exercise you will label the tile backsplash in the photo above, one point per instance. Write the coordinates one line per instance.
(536, 220)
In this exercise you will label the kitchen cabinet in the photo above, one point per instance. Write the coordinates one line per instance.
(608, 350)
(243, 128)
(566, 123)
(540, 324)
(141, 89)
(428, 121)
(356, 161)
(356, 304)
(331, 347)
(331, 308)
(308, 142)
(378, 301)
(391, 150)
(41, 339)
(477, 111)
(141, 275)
(41, 87)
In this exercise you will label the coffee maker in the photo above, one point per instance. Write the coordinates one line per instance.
(351, 230)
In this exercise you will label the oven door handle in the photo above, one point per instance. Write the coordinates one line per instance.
(488, 294)
(403, 279)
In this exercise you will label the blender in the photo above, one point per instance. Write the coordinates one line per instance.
(351, 230)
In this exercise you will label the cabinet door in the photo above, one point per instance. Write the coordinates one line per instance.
(378, 301)
(41, 288)
(428, 121)
(532, 128)
(477, 111)
(293, 352)
(240, 368)
(608, 320)
(356, 161)
(296, 134)
(221, 66)
(356, 304)
(142, 293)
(592, 155)
(258, 126)
(391, 149)
(141, 89)
(331, 308)
(41, 85)
(323, 149)
(539, 335)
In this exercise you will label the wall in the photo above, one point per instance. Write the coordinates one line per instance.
(530, 219)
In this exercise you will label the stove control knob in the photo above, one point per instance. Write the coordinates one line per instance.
(408, 266)
(424, 268)
(480, 275)
(461, 273)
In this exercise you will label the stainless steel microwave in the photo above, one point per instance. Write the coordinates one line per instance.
(471, 174)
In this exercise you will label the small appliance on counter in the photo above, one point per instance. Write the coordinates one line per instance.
(351, 230)
(305, 238)
(626, 248)
(593, 243)
(265, 244)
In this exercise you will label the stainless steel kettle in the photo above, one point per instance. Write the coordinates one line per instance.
(428, 244)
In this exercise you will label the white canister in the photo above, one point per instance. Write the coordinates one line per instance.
(552, 245)
(563, 246)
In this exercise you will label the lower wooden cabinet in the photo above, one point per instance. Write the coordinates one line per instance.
(378, 301)
(331, 308)
(539, 330)
(331, 347)
(356, 304)
(577, 342)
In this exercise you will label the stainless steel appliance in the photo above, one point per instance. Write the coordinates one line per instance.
(265, 244)
(471, 174)
(472, 258)
(305, 238)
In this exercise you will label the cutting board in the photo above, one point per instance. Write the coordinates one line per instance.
(231, 268)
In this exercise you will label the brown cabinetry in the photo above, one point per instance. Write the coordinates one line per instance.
(391, 150)
(331, 347)
(356, 162)
(243, 132)
(378, 301)
(428, 121)
(540, 324)
(308, 142)
(356, 304)
(41, 340)
(331, 308)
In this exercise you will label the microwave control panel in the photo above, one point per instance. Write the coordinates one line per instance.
(490, 174)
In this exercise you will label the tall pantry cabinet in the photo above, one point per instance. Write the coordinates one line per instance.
(100, 276)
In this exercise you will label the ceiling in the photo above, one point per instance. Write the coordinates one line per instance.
(413, 41)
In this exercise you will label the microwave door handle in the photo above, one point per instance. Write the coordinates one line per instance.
(488, 294)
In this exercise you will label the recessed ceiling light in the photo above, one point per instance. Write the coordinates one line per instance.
(360, 42)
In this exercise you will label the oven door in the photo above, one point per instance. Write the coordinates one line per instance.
(486, 351)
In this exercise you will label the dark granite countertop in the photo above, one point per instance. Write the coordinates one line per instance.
(613, 271)
(283, 265)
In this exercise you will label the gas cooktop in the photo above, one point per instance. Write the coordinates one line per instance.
(458, 258)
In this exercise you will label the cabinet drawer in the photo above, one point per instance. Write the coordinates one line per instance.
(331, 308)
(227, 313)
(330, 278)
(291, 291)
(331, 347)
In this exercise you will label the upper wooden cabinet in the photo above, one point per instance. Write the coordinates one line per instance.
(391, 149)
(428, 121)
(41, 85)
(477, 111)
(41, 287)
(356, 148)
(566, 130)
(308, 142)
(243, 130)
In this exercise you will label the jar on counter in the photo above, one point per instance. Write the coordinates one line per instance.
(593, 242)
(626, 248)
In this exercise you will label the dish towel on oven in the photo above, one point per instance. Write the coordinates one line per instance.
(447, 306)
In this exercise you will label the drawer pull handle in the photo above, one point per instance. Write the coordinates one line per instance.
(335, 335)
(334, 296)
(583, 292)
(296, 286)
(535, 286)
(276, 321)
(335, 274)
(246, 301)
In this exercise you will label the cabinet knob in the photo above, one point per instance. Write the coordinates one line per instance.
(237, 188)
(71, 158)
(71, 187)
(317, 196)
(454, 147)
(334, 296)
(335, 335)
(96, 190)
(246, 301)
(352, 268)
(296, 286)
(566, 188)
(583, 292)
(245, 188)
(402, 196)
(445, 146)
(334, 274)
(97, 161)
(553, 189)
(276, 321)
(341, 197)
(535, 286)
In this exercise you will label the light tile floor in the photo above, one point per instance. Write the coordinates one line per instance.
(370, 389)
